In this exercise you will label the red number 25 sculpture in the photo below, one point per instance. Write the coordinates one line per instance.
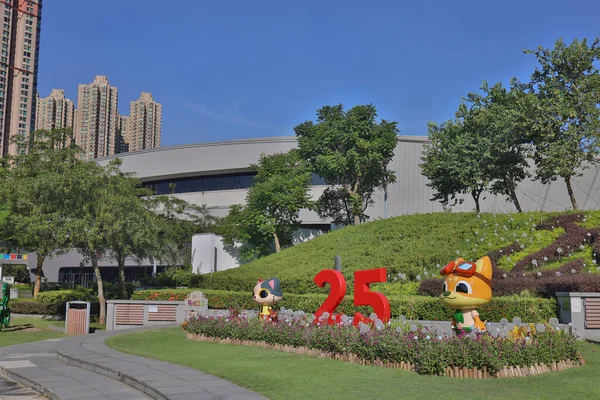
(362, 294)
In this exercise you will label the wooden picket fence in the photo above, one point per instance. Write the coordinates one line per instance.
(453, 372)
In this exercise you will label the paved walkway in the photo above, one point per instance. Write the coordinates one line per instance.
(11, 390)
(83, 367)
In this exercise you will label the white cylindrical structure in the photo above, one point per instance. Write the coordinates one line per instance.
(203, 253)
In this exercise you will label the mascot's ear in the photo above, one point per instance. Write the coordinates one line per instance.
(259, 281)
(272, 284)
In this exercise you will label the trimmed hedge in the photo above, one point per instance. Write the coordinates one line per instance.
(412, 307)
(62, 296)
(36, 308)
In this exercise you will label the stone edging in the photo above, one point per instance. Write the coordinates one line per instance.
(37, 387)
(110, 373)
(453, 372)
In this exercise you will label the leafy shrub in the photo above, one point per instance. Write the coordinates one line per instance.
(413, 307)
(172, 277)
(429, 355)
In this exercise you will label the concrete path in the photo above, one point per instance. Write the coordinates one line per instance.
(83, 367)
(35, 365)
(159, 379)
(11, 390)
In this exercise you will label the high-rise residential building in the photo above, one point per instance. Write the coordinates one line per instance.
(145, 119)
(97, 119)
(54, 111)
(123, 147)
(18, 69)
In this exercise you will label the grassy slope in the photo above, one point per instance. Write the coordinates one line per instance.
(286, 376)
(25, 330)
(413, 245)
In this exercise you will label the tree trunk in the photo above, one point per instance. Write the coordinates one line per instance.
(121, 261)
(515, 200)
(101, 299)
(570, 190)
(476, 195)
(39, 273)
(357, 220)
(277, 244)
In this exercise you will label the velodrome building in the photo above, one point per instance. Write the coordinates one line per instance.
(218, 175)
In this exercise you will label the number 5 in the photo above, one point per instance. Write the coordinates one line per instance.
(364, 297)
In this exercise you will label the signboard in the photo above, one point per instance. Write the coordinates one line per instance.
(152, 308)
(9, 279)
(196, 305)
(13, 256)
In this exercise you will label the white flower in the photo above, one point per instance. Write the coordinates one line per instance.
(427, 337)
(589, 234)
(534, 262)
(416, 338)
(504, 275)
(418, 277)
(559, 250)
(539, 273)
(524, 235)
(573, 270)
(545, 258)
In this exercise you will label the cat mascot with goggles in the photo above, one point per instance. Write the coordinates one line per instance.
(468, 285)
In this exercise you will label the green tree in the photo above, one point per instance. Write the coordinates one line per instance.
(34, 185)
(500, 128)
(132, 229)
(351, 151)
(91, 219)
(273, 204)
(442, 164)
(566, 117)
(177, 221)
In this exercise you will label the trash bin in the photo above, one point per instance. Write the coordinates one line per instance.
(77, 318)
(14, 293)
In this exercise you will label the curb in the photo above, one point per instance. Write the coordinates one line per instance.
(111, 373)
(28, 383)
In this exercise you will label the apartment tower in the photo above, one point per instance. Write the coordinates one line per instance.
(18, 69)
(97, 119)
(145, 119)
(54, 111)
(123, 135)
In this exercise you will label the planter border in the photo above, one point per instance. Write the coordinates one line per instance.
(452, 372)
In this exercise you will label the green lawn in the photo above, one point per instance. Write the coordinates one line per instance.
(25, 330)
(279, 375)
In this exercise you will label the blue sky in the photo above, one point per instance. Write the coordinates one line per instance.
(237, 69)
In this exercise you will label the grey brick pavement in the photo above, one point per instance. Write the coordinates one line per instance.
(83, 367)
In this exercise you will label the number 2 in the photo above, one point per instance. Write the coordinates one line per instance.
(337, 290)
(362, 293)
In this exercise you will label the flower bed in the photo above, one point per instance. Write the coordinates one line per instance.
(399, 345)
(413, 307)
